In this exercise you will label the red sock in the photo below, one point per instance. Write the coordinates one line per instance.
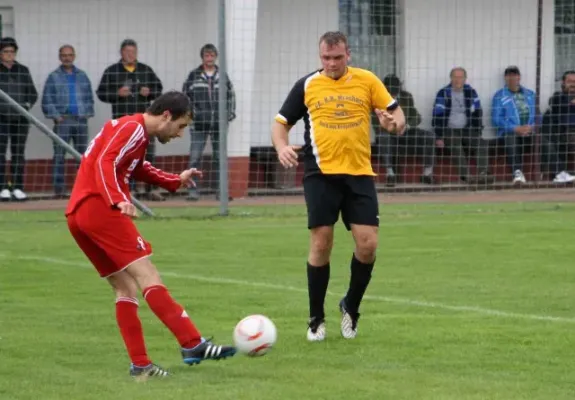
(131, 330)
(172, 315)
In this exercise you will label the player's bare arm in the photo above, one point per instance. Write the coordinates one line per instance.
(392, 122)
(287, 154)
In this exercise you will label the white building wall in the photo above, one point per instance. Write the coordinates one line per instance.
(169, 33)
(482, 36)
(435, 35)
(286, 50)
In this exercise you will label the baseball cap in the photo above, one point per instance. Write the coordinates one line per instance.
(512, 69)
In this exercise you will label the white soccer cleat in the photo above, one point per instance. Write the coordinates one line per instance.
(348, 322)
(316, 331)
(564, 177)
(518, 177)
(5, 195)
(19, 195)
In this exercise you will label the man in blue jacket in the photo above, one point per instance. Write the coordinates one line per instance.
(513, 115)
(68, 101)
(458, 123)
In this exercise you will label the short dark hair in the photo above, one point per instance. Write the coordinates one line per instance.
(333, 38)
(208, 47)
(177, 103)
(128, 42)
(570, 72)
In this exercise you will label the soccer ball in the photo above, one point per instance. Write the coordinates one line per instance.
(255, 335)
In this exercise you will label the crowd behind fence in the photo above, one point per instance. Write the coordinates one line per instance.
(531, 146)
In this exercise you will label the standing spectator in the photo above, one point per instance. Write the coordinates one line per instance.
(458, 123)
(416, 140)
(559, 129)
(513, 115)
(202, 87)
(130, 86)
(16, 81)
(67, 99)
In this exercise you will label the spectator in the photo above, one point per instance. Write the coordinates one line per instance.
(16, 81)
(67, 99)
(513, 115)
(457, 119)
(418, 140)
(202, 87)
(130, 86)
(559, 129)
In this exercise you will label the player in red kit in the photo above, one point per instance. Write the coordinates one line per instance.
(99, 217)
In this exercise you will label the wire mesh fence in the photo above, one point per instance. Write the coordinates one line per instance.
(487, 87)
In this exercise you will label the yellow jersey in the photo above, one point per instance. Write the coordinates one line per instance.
(337, 115)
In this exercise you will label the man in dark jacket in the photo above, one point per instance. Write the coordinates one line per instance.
(416, 139)
(202, 87)
(458, 123)
(558, 130)
(16, 81)
(130, 86)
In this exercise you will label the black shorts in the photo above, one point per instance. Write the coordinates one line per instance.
(328, 195)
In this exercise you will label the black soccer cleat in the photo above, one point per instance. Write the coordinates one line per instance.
(207, 351)
(348, 321)
(148, 371)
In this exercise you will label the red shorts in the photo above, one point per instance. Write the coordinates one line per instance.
(109, 239)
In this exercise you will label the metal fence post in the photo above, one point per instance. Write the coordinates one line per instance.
(223, 109)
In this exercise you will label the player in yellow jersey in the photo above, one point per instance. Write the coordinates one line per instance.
(336, 103)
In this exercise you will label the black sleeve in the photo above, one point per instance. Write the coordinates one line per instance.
(105, 91)
(154, 83)
(31, 93)
(293, 108)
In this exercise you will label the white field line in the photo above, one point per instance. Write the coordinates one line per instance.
(286, 288)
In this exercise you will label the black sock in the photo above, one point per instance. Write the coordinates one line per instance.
(317, 281)
(360, 277)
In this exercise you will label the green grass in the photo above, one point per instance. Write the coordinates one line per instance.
(467, 302)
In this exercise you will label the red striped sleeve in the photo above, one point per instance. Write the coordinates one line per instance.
(124, 141)
(147, 173)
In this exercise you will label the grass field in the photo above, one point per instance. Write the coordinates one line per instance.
(467, 302)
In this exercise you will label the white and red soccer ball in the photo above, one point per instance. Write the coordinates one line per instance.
(255, 335)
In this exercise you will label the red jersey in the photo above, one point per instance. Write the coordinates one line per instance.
(112, 157)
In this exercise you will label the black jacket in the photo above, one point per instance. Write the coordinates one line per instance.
(18, 84)
(560, 117)
(203, 92)
(116, 76)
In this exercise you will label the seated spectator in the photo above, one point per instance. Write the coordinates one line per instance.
(458, 123)
(67, 100)
(513, 116)
(420, 141)
(559, 129)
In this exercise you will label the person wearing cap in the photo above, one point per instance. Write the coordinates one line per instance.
(513, 116)
(130, 86)
(202, 87)
(415, 138)
(16, 81)
(558, 130)
(67, 100)
(458, 122)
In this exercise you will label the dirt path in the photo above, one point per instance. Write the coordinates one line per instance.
(506, 196)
